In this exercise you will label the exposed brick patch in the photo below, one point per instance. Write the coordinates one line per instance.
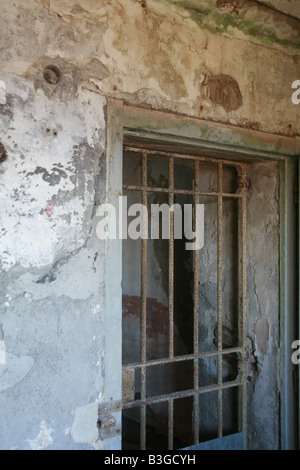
(224, 90)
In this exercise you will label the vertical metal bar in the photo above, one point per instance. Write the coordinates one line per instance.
(144, 303)
(143, 428)
(171, 260)
(220, 298)
(170, 423)
(244, 261)
(196, 315)
(144, 260)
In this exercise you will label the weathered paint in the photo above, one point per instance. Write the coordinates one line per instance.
(246, 20)
(243, 140)
(51, 258)
(118, 58)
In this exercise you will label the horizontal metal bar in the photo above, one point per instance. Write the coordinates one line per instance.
(180, 191)
(183, 394)
(184, 156)
(187, 357)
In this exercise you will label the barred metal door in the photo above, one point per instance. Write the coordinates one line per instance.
(184, 313)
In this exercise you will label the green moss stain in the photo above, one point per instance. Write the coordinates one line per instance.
(257, 23)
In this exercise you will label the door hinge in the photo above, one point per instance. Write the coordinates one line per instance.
(243, 182)
(296, 193)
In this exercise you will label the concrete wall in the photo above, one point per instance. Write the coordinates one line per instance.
(51, 267)
(170, 55)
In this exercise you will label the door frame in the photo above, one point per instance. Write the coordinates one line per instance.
(127, 123)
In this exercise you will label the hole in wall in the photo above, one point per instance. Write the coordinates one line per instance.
(52, 74)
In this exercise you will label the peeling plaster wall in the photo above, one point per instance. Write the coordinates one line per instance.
(51, 266)
(52, 175)
(162, 55)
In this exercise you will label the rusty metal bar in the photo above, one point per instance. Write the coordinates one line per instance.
(171, 260)
(143, 427)
(144, 305)
(196, 312)
(220, 298)
(157, 362)
(185, 156)
(144, 263)
(181, 191)
(170, 423)
(182, 394)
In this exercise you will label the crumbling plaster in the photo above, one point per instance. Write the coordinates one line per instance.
(51, 261)
(160, 54)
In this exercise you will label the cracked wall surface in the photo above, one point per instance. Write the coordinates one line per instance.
(162, 55)
(231, 62)
(51, 264)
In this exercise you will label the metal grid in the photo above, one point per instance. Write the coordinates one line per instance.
(196, 391)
